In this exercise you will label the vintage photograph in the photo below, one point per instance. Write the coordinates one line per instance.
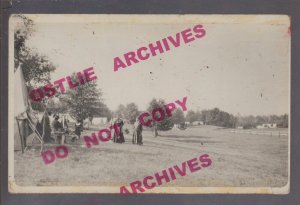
(141, 104)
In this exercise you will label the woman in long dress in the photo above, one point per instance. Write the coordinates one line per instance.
(120, 135)
(137, 132)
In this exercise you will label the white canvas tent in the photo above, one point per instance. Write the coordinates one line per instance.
(26, 121)
(20, 94)
(99, 121)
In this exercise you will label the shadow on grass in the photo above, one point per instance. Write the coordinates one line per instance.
(183, 137)
(198, 141)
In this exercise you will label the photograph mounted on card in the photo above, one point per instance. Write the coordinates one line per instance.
(142, 104)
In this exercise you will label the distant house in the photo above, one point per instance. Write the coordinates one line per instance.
(95, 121)
(181, 126)
(240, 127)
(268, 125)
(99, 120)
(176, 126)
(187, 123)
(86, 123)
(198, 123)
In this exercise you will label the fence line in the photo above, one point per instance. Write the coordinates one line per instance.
(275, 133)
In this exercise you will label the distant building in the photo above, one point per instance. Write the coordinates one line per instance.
(95, 121)
(240, 127)
(177, 126)
(181, 126)
(86, 123)
(268, 125)
(99, 121)
(198, 123)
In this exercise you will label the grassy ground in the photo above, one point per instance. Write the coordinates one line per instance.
(238, 160)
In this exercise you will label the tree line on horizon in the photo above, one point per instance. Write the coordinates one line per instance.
(220, 118)
(213, 116)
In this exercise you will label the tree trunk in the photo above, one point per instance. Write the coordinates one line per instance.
(155, 131)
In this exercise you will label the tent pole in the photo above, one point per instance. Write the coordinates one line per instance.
(21, 136)
(42, 142)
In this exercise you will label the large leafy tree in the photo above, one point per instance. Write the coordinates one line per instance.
(121, 111)
(104, 111)
(166, 123)
(84, 101)
(36, 68)
(129, 112)
(23, 30)
(191, 116)
(218, 117)
(283, 121)
(178, 116)
(132, 111)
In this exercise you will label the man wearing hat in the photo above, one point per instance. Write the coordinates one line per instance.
(58, 130)
(47, 130)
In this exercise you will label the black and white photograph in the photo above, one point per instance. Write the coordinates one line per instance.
(141, 104)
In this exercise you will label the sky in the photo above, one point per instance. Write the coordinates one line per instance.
(238, 66)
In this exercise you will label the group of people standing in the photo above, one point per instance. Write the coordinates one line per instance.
(57, 130)
(118, 137)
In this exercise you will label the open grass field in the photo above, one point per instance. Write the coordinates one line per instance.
(237, 160)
